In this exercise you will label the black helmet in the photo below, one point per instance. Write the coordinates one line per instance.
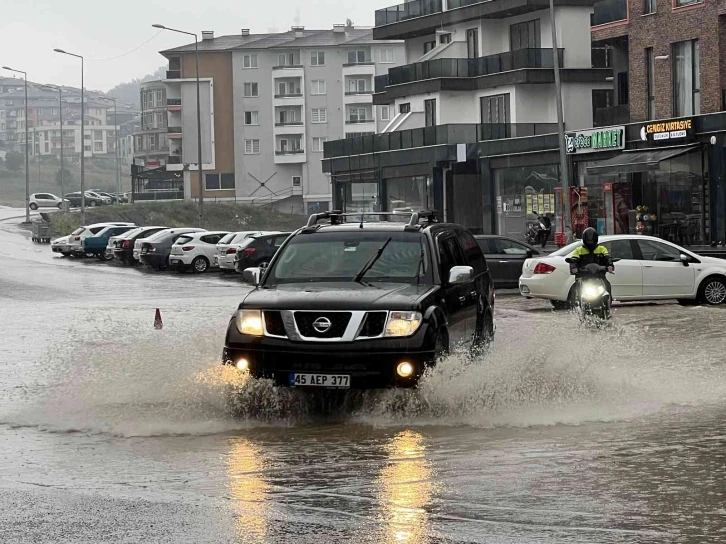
(589, 239)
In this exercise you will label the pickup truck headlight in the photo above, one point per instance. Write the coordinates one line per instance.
(250, 322)
(402, 323)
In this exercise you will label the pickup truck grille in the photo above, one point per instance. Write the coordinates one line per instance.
(373, 324)
(274, 324)
(338, 323)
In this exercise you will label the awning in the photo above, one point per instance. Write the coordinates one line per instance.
(638, 161)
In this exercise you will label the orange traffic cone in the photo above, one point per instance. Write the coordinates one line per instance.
(158, 324)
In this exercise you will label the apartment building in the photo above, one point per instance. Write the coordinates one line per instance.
(269, 102)
(151, 141)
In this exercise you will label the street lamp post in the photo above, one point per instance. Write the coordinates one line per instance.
(27, 143)
(60, 110)
(83, 139)
(199, 121)
(115, 135)
(561, 128)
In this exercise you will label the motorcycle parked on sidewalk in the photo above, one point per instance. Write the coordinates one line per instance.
(539, 232)
(592, 298)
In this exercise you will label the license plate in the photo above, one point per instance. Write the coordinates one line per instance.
(331, 381)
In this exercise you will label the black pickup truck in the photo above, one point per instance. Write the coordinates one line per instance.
(347, 303)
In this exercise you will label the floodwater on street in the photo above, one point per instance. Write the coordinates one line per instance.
(111, 431)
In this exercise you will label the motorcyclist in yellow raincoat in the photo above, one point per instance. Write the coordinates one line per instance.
(592, 252)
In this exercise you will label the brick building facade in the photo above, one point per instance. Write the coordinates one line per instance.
(703, 21)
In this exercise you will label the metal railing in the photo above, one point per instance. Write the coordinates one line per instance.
(173, 101)
(283, 66)
(409, 10)
(612, 115)
(289, 95)
(353, 93)
(289, 124)
(609, 11)
(174, 130)
(358, 121)
(453, 4)
(290, 152)
(174, 159)
(173, 74)
(367, 62)
(482, 66)
(436, 135)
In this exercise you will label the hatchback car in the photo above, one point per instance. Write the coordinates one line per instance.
(45, 200)
(124, 246)
(362, 305)
(505, 257)
(227, 248)
(195, 250)
(75, 239)
(156, 249)
(91, 200)
(256, 250)
(649, 269)
(96, 244)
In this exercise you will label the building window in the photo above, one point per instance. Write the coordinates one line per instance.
(47, 149)
(252, 118)
(386, 56)
(650, 82)
(428, 46)
(622, 88)
(472, 43)
(252, 147)
(251, 90)
(649, 6)
(524, 35)
(495, 109)
(319, 115)
(686, 78)
(356, 57)
(98, 135)
(227, 181)
(161, 119)
(430, 111)
(385, 113)
(358, 115)
(318, 86)
(286, 59)
(357, 86)
(680, 3)
(98, 146)
(404, 108)
(445, 38)
(296, 181)
(249, 61)
(318, 144)
(159, 97)
(317, 58)
(211, 182)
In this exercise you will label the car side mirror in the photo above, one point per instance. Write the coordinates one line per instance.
(461, 274)
(685, 259)
(530, 253)
(251, 276)
(570, 260)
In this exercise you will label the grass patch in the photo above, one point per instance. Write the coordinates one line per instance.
(218, 216)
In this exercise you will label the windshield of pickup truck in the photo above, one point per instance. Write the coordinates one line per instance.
(340, 256)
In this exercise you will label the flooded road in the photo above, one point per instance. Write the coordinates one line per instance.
(111, 431)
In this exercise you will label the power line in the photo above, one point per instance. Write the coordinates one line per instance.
(128, 52)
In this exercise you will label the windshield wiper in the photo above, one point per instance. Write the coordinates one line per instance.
(371, 261)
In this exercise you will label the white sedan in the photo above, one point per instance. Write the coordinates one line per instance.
(649, 269)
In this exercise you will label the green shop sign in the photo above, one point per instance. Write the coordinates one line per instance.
(588, 141)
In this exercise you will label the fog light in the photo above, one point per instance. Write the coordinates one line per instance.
(242, 364)
(404, 370)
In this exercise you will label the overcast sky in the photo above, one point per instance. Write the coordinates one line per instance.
(31, 29)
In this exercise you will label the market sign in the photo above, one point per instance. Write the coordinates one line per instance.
(667, 130)
(589, 141)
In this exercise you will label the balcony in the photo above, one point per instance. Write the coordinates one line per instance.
(358, 97)
(357, 69)
(409, 10)
(613, 115)
(290, 156)
(173, 74)
(609, 11)
(174, 132)
(289, 99)
(289, 152)
(437, 135)
(289, 128)
(173, 104)
(174, 159)
(285, 66)
(287, 71)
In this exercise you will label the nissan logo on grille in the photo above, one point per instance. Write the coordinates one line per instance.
(322, 324)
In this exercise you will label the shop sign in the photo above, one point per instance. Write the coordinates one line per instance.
(667, 130)
(589, 141)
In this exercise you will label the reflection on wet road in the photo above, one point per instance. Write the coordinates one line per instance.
(111, 431)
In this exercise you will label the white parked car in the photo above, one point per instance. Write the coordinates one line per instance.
(195, 250)
(45, 200)
(649, 269)
(60, 245)
(228, 246)
(75, 239)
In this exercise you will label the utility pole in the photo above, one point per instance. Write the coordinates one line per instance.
(564, 174)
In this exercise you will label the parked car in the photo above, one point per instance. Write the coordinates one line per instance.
(45, 200)
(227, 248)
(124, 248)
(362, 305)
(113, 199)
(195, 250)
(256, 250)
(91, 200)
(155, 250)
(505, 258)
(95, 245)
(115, 238)
(75, 240)
(649, 269)
(104, 199)
(60, 245)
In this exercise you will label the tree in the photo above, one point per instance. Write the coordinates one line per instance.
(67, 177)
(14, 160)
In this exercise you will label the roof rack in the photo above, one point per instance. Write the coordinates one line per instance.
(337, 217)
